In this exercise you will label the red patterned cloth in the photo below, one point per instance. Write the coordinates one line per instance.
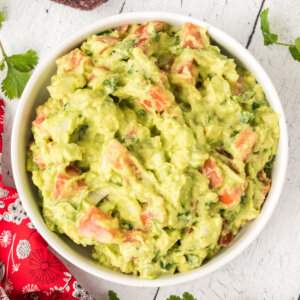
(28, 269)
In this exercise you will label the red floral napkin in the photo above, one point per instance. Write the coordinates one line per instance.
(28, 269)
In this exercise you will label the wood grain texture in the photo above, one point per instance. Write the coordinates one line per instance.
(269, 268)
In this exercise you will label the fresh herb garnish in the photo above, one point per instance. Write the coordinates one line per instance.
(142, 112)
(272, 38)
(185, 296)
(246, 117)
(255, 105)
(126, 225)
(166, 266)
(112, 295)
(79, 133)
(111, 84)
(2, 19)
(233, 134)
(19, 67)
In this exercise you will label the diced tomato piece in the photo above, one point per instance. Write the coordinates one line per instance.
(213, 173)
(108, 42)
(134, 235)
(245, 142)
(38, 121)
(40, 117)
(230, 197)
(159, 102)
(39, 161)
(95, 224)
(73, 60)
(120, 157)
(239, 86)
(115, 152)
(142, 43)
(142, 33)
(146, 219)
(143, 30)
(66, 187)
(123, 28)
(224, 240)
(186, 70)
(191, 36)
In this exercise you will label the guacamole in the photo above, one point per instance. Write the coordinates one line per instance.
(154, 148)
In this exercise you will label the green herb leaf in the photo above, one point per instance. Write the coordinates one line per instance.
(14, 82)
(105, 32)
(255, 105)
(2, 64)
(269, 38)
(23, 62)
(177, 40)
(246, 117)
(142, 112)
(167, 266)
(126, 225)
(295, 52)
(111, 84)
(233, 134)
(297, 43)
(2, 19)
(79, 134)
(188, 296)
(112, 295)
(223, 102)
(185, 296)
(192, 259)
(173, 297)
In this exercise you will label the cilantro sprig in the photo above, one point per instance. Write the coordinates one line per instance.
(19, 67)
(272, 38)
(186, 296)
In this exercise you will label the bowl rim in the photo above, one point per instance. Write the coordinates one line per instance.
(256, 226)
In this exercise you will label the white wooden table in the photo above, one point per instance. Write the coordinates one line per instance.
(270, 267)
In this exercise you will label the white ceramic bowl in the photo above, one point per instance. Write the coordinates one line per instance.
(36, 93)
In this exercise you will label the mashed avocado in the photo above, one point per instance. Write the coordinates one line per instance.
(153, 147)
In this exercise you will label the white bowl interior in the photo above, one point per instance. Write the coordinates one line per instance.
(36, 93)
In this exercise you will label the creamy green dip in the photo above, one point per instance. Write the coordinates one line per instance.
(153, 147)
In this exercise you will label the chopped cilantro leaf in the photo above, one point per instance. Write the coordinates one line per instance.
(255, 105)
(233, 134)
(113, 296)
(2, 19)
(269, 38)
(246, 117)
(167, 266)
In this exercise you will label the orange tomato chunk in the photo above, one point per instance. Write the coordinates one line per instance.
(66, 187)
(95, 223)
(120, 158)
(245, 142)
(39, 161)
(213, 173)
(191, 37)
